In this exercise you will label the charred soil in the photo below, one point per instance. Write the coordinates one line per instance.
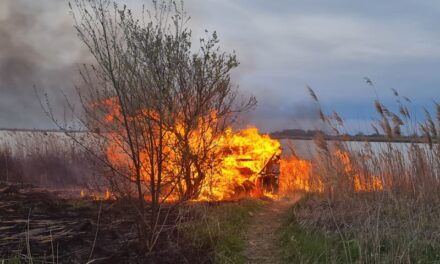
(37, 225)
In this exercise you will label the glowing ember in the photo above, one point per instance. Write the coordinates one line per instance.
(106, 196)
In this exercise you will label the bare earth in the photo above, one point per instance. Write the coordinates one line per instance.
(261, 238)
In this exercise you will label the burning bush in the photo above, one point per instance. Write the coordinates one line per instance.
(158, 105)
(231, 167)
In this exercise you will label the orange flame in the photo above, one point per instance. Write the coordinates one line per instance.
(296, 175)
(106, 196)
(243, 157)
(361, 182)
(240, 159)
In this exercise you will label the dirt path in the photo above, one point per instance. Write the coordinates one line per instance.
(261, 243)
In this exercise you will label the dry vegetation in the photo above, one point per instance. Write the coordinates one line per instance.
(47, 159)
(377, 203)
(37, 226)
(367, 202)
(154, 107)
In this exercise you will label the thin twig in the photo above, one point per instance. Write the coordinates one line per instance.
(96, 233)
(28, 245)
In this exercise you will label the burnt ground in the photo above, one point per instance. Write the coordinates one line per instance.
(38, 224)
(261, 239)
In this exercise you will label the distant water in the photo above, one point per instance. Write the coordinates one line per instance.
(306, 149)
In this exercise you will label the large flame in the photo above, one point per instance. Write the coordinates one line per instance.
(296, 175)
(239, 160)
(243, 157)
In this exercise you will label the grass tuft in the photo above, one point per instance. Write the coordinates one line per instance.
(220, 228)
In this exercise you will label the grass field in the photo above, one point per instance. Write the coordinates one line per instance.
(363, 228)
(371, 205)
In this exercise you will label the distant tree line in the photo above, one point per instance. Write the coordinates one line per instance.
(360, 136)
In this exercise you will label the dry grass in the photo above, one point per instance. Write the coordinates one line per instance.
(411, 168)
(44, 158)
(379, 201)
(364, 228)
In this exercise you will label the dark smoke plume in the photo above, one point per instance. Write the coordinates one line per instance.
(38, 47)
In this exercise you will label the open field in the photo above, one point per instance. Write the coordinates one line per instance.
(154, 151)
(364, 202)
(37, 226)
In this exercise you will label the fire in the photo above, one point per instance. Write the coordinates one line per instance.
(237, 159)
(243, 157)
(106, 196)
(361, 182)
(241, 163)
(296, 175)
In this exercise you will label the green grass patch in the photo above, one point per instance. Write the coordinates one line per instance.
(11, 260)
(220, 228)
(310, 234)
(309, 245)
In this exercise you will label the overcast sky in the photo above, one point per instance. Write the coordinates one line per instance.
(283, 45)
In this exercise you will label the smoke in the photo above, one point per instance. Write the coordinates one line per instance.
(271, 116)
(38, 48)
